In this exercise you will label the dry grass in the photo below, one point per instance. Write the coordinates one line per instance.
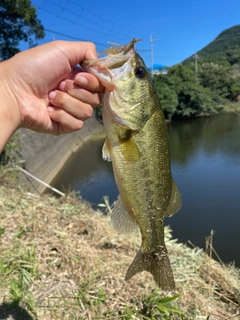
(62, 260)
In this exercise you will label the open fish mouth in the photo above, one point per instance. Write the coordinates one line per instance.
(116, 57)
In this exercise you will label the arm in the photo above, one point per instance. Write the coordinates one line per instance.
(8, 117)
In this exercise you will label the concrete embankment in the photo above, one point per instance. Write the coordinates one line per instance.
(45, 154)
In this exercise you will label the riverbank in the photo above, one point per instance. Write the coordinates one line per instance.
(44, 155)
(59, 259)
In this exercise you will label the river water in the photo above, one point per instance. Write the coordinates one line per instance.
(205, 155)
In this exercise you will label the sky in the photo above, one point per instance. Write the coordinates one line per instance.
(178, 28)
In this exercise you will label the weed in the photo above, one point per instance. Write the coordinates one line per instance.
(156, 307)
(11, 151)
(2, 230)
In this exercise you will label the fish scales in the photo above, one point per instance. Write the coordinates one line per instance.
(137, 144)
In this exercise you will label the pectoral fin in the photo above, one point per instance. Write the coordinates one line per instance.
(127, 124)
(175, 202)
(121, 220)
(106, 151)
(129, 150)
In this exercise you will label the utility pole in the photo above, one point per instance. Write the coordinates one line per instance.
(196, 63)
(151, 50)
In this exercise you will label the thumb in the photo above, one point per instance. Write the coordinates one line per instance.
(77, 51)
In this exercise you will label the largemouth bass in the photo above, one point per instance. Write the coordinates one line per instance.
(137, 144)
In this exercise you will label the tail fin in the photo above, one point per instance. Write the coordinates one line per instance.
(157, 264)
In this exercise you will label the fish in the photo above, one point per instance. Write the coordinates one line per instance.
(137, 143)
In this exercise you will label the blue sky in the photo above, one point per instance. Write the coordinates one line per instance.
(181, 27)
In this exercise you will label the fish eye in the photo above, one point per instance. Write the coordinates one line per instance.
(140, 72)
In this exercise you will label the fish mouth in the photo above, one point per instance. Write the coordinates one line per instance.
(105, 68)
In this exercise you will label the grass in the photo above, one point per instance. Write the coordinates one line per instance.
(59, 259)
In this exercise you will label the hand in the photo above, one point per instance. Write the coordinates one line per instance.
(74, 96)
(39, 87)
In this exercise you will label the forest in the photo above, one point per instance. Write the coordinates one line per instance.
(215, 86)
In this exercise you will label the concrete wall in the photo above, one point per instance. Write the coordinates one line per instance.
(45, 154)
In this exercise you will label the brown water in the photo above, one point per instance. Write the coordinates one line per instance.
(206, 167)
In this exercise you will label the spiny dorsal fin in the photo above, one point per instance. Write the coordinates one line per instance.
(175, 202)
(121, 220)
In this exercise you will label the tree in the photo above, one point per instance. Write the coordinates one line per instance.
(182, 95)
(167, 95)
(233, 56)
(18, 22)
(217, 78)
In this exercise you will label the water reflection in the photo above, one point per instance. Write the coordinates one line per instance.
(206, 167)
(87, 173)
(212, 135)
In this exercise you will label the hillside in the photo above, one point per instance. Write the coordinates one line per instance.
(62, 260)
(207, 87)
(226, 41)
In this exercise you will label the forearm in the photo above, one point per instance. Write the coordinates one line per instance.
(6, 127)
(8, 116)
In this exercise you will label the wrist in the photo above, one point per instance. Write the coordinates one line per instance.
(8, 106)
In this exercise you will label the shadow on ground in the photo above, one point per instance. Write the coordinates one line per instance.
(14, 312)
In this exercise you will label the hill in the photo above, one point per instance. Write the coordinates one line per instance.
(226, 41)
(207, 87)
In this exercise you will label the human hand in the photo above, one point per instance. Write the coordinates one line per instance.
(82, 89)
(41, 93)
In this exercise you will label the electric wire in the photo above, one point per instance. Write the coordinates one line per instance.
(81, 16)
(71, 37)
(119, 32)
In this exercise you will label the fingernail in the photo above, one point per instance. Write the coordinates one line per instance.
(80, 80)
(51, 95)
(62, 85)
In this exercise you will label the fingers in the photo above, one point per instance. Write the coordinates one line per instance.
(88, 81)
(63, 103)
(63, 121)
(88, 91)
(74, 100)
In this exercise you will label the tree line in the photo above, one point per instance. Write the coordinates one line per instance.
(184, 93)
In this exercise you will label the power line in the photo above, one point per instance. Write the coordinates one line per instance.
(79, 15)
(69, 20)
(71, 37)
(120, 34)
(80, 39)
(102, 18)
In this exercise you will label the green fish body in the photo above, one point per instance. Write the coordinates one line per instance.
(137, 144)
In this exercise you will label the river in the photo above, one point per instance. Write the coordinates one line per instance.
(205, 154)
